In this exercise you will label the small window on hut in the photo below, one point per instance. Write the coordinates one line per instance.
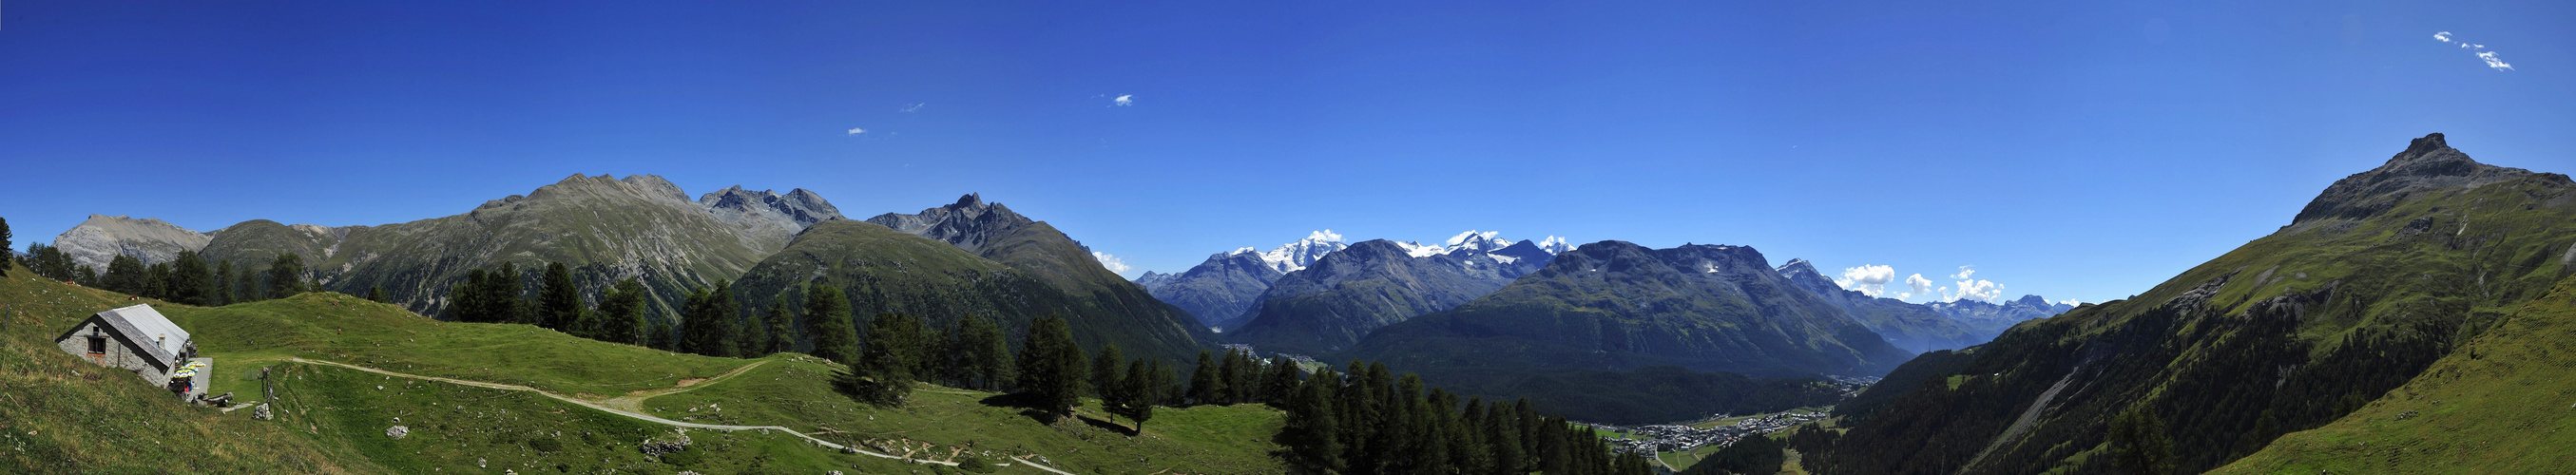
(98, 345)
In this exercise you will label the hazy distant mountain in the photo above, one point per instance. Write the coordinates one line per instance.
(1911, 327)
(1615, 305)
(994, 232)
(100, 239)
(767, 220)
(1989, 319)
(1349, 293)
(1217, 291)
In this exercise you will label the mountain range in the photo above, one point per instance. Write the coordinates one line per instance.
(1351, 292)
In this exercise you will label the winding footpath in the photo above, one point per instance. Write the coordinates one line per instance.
(637, 401)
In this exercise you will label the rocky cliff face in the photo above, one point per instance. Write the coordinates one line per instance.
(766, 220)
(100, 239)
(1217, 291)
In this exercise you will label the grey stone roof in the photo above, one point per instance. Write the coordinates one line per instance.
(158, 337)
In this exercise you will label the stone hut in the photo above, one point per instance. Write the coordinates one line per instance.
(134, 338)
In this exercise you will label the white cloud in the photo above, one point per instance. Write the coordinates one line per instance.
(1972, 288)
(2480, 49)
(914, 107)
(2072, 302)
(856, 131)
(1113, 263)
(1123, 100)
(1904, 295)
(1325, 236)
(1920, 285)
(1870, 280)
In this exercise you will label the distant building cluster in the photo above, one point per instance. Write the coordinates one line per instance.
(1651, 439)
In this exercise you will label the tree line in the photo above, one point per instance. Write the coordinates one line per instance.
(187, 279)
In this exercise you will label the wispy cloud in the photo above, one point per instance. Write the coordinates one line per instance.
(2479, 49)
(856, 131)
(914, 107)
(1123, 100)
(1113, 263)
(1870, 280)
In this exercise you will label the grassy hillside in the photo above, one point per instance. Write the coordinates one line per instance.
(60, 414)
(2500, 404)
(794, 392)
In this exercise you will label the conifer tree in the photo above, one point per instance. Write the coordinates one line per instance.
(1051, 367)
(708, 321)
(782, 333)
(558, 300)
(4, 246)
(126, 275)
(1229, 372)
(1205, 388)
(1280, 382)
(245, 284)
(88, 277)
(1312, 435)
(376, 294)
(981, 353)
(190, 281)
(222, 291)
(621, 314)
(285, 276)
(893, 351)
(1135, 398)
(1108, 372)
(156, 281)
(827, 318)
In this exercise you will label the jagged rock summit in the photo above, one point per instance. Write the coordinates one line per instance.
(2428, 163)
(767, 219)
(969, 223)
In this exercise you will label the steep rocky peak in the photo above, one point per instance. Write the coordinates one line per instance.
(966, 223)
(1803, 273)
(2427, 164)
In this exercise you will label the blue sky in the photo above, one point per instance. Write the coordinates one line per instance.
(2082, 150)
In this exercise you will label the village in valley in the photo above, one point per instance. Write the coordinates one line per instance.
(1723, 429)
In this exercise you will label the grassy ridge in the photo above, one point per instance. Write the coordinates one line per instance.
(2499, 404)
(60, 414)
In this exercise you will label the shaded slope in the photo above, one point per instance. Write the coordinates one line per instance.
(2379, 278)
(884, 270)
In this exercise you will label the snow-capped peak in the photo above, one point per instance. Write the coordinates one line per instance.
(1297, 255)
(1416, 249)
(1555, 245)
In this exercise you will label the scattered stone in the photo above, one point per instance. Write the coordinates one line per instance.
(261, 412)
(397, 432)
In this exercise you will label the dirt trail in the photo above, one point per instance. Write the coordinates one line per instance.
(634, 401)
(602, 407)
